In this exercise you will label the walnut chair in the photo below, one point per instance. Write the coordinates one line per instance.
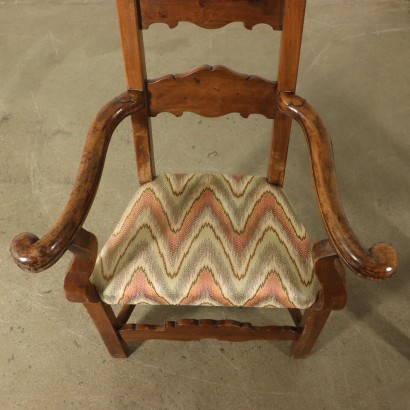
(204, 239)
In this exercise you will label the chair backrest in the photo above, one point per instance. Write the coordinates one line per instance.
(211, 91)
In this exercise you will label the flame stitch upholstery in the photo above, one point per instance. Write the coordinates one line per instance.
(198, 239)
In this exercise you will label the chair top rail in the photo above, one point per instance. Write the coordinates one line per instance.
(212, 14)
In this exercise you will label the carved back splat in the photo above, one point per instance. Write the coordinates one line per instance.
(212, 13)
(210, 91)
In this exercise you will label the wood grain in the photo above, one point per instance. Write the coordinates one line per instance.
(332, 296)
(212, 13)
(291, 41)
(132, 44)
(107, 325)
(191, 329)
(135, 70)
(331, 276)
(116, 333)
(33, 254)
(212, 92)
(380, 261)
(296, 315)
(77, 285)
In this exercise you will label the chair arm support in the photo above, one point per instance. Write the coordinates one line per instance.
(380, 261)
(35, 255)
(77, 285)
(331, 275)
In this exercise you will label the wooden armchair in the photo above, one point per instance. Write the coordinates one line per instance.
(196, 239)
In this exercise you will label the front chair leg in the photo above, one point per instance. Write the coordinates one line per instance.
(79, 289)
(104, 319)
(332, 296)
(312, 324)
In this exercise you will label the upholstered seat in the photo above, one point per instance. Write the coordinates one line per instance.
(204, 239)
(208, 240)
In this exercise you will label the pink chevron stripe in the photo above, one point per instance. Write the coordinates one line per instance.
(169, 255)
(205, 284)
(139, 285)
(207, 200)
(271, 293)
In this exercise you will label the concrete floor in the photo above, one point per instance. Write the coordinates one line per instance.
(59, 62)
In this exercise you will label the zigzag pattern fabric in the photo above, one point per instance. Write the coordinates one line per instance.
(199, 239)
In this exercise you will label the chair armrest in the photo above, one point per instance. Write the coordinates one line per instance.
(380, 261)
(35, 255)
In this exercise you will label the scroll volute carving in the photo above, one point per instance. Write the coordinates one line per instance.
(35, 254)
(212, 92)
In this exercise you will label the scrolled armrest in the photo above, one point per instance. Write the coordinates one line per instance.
(380, 261)
(35, 255)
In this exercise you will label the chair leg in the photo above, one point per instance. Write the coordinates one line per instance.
(104, 319)
(296, 316)
(332, 296)
(312, 323)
